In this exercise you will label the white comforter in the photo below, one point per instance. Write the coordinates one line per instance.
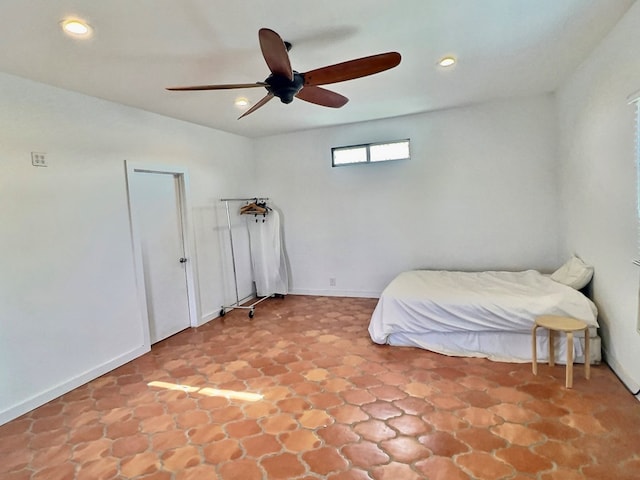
(423, 301)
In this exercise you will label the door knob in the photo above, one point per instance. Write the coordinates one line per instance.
(183, 260)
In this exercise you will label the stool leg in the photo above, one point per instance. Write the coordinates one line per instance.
(569, 380)
(534, 354)
(587, 357)
(552, 353)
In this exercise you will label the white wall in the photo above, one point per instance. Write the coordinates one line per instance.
(599, 185)
(479, 192)
(68, 304)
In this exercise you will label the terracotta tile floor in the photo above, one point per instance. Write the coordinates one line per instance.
(321, 401)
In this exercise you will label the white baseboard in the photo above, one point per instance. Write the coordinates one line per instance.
(629, 382)
(335, 293)
(206, 318)
(65, 387)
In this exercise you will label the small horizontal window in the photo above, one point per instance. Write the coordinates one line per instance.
(370, 153)
(347, 155)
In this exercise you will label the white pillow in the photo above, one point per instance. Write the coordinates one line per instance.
(575, 273)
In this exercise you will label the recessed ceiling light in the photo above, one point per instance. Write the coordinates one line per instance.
(447, 61)
(76, 28)
(241, 102)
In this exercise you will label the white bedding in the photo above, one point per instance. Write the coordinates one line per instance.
(485, 314)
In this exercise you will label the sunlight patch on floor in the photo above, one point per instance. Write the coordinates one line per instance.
(208, 391)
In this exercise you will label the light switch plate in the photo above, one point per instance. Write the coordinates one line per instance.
(39, 159)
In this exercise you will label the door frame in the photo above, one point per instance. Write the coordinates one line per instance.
(182, 176)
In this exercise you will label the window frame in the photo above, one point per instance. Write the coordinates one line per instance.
(634, 100)
(367, 147)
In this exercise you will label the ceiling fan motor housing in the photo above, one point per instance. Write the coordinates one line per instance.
(283, 88)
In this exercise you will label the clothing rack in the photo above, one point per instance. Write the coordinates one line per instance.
(251, 307)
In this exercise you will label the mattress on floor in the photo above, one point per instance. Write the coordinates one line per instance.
(479, 314)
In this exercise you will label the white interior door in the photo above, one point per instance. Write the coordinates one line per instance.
(159, 223)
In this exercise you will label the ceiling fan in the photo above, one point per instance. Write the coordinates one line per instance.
(285, 83)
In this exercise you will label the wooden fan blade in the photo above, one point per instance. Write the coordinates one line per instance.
(264, 100)
(322, 96)
(351, 69)
(217, 87)
(275, 53)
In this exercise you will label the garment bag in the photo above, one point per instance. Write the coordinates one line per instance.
(267, 255)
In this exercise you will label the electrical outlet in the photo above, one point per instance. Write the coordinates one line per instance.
(332, 282)
(39, 159)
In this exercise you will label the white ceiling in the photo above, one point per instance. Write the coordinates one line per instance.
(505, 48)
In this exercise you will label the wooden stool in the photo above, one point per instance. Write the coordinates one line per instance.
(562, 324)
